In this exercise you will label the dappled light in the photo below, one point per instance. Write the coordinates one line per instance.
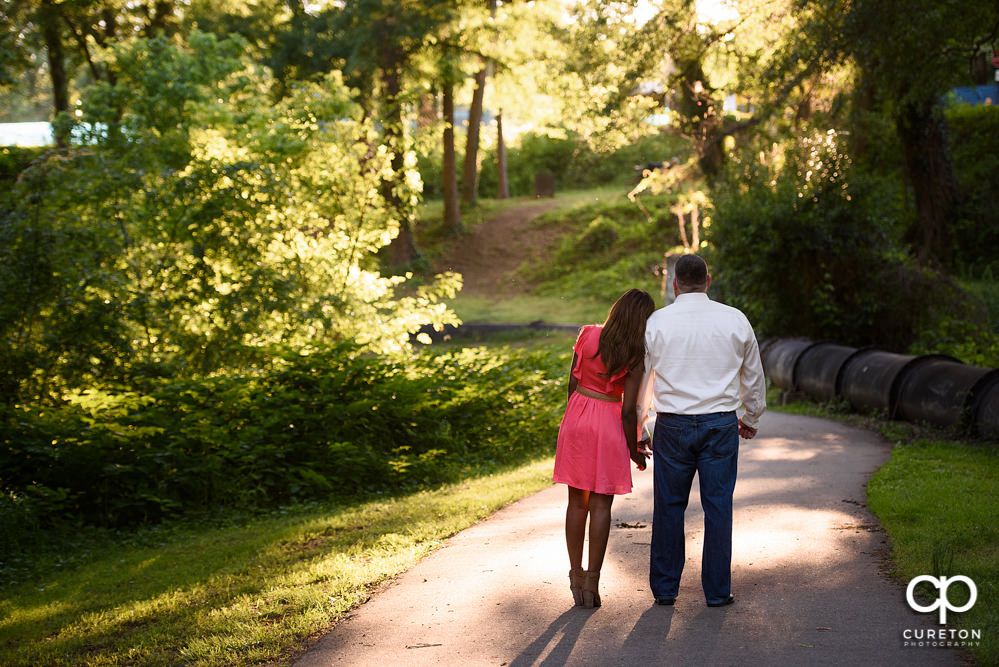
(254, 257)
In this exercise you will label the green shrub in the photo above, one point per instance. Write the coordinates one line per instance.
(329, 424)
(608, 247)
(808, 245)
(573, 162)
(974, 135)
(198, 223)
(14, 160)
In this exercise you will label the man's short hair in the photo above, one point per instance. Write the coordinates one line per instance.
(691, 273)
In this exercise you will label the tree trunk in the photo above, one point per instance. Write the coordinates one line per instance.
(452, 214)
(503, 183)
(922, 130)
(470, 173)
(703, 122)
(403, 248)
(427, 114)
(159, 18)
(48, 17)
(695, 228)
(681, 225)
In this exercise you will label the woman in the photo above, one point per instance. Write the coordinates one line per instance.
(599, 433)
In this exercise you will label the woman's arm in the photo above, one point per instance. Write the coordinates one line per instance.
(572, 379)
(629, 414)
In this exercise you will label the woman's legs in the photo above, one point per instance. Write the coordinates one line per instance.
(600, 517)
(598, 507)
(575, 525)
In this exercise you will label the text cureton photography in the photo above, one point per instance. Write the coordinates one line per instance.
(941, 637)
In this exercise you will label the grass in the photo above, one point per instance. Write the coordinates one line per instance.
(434, 239)
(240, 594)
(529, 308)
(559, 307)
(937, 500)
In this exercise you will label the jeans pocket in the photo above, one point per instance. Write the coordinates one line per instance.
(673, 441)
(722, 439)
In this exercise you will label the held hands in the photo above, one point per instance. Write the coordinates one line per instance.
(641, 454)
(746, 432)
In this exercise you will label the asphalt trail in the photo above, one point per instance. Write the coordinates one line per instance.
(808, 578)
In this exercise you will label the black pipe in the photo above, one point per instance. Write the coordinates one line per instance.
(818, 369)
(868, 377)
(938, 390)
(781, 358)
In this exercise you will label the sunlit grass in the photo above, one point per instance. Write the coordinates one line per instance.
(938, 502)
(246, 594)
(529, 308)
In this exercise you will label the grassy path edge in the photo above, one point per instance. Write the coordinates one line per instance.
(261, 592)
(936, 499)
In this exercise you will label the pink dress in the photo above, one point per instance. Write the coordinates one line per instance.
(592, 453)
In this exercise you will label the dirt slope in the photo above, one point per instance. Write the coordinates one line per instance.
(488, 255)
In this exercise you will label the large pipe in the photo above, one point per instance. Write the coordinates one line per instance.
(938, 390)
(817, 372)
(780, 360)
(868, 376)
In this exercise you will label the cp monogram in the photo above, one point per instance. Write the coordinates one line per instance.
(942, 584)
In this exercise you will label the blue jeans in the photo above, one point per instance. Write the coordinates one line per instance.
(681, 445)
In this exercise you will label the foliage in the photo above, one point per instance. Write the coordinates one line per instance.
(921, 497)
(971, 342)
(329, 423)
(14, 160)
(197, 224)
(243, 591)
(606, 248)
(574, 162)
(974, 133)
(806, 244)
(880, 39)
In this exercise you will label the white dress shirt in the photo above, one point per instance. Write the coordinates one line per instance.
(702, 356)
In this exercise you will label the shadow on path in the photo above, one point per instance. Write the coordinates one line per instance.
(807, 576)
(566, 630)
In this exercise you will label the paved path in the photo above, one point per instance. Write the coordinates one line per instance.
(806, 576)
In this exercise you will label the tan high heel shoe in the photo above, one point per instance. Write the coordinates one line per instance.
(576, 576)
(591, 598)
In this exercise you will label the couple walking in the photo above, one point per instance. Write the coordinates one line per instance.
(695, 361)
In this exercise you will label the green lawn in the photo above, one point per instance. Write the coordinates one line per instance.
(242, 594)
(938, 501)
(529, 308)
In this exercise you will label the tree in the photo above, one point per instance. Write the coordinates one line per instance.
(503, 184)
(198, 224)
(470, 172)
(48, 19)
(908, 57)
(376, 40)
(452, 214)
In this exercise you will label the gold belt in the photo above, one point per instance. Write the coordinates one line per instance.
(596, 394)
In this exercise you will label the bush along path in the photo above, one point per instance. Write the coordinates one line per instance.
(808, 576)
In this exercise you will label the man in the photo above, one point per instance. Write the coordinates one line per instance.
(702, 362)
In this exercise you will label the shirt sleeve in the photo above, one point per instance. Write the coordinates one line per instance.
(646, 395)
(753, 385)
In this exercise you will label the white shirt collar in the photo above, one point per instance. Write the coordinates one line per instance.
(692, 296)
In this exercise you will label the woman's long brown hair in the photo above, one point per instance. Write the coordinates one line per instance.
(622, 339)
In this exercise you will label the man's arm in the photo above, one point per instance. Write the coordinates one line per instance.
(646, 391)
(753, 388)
